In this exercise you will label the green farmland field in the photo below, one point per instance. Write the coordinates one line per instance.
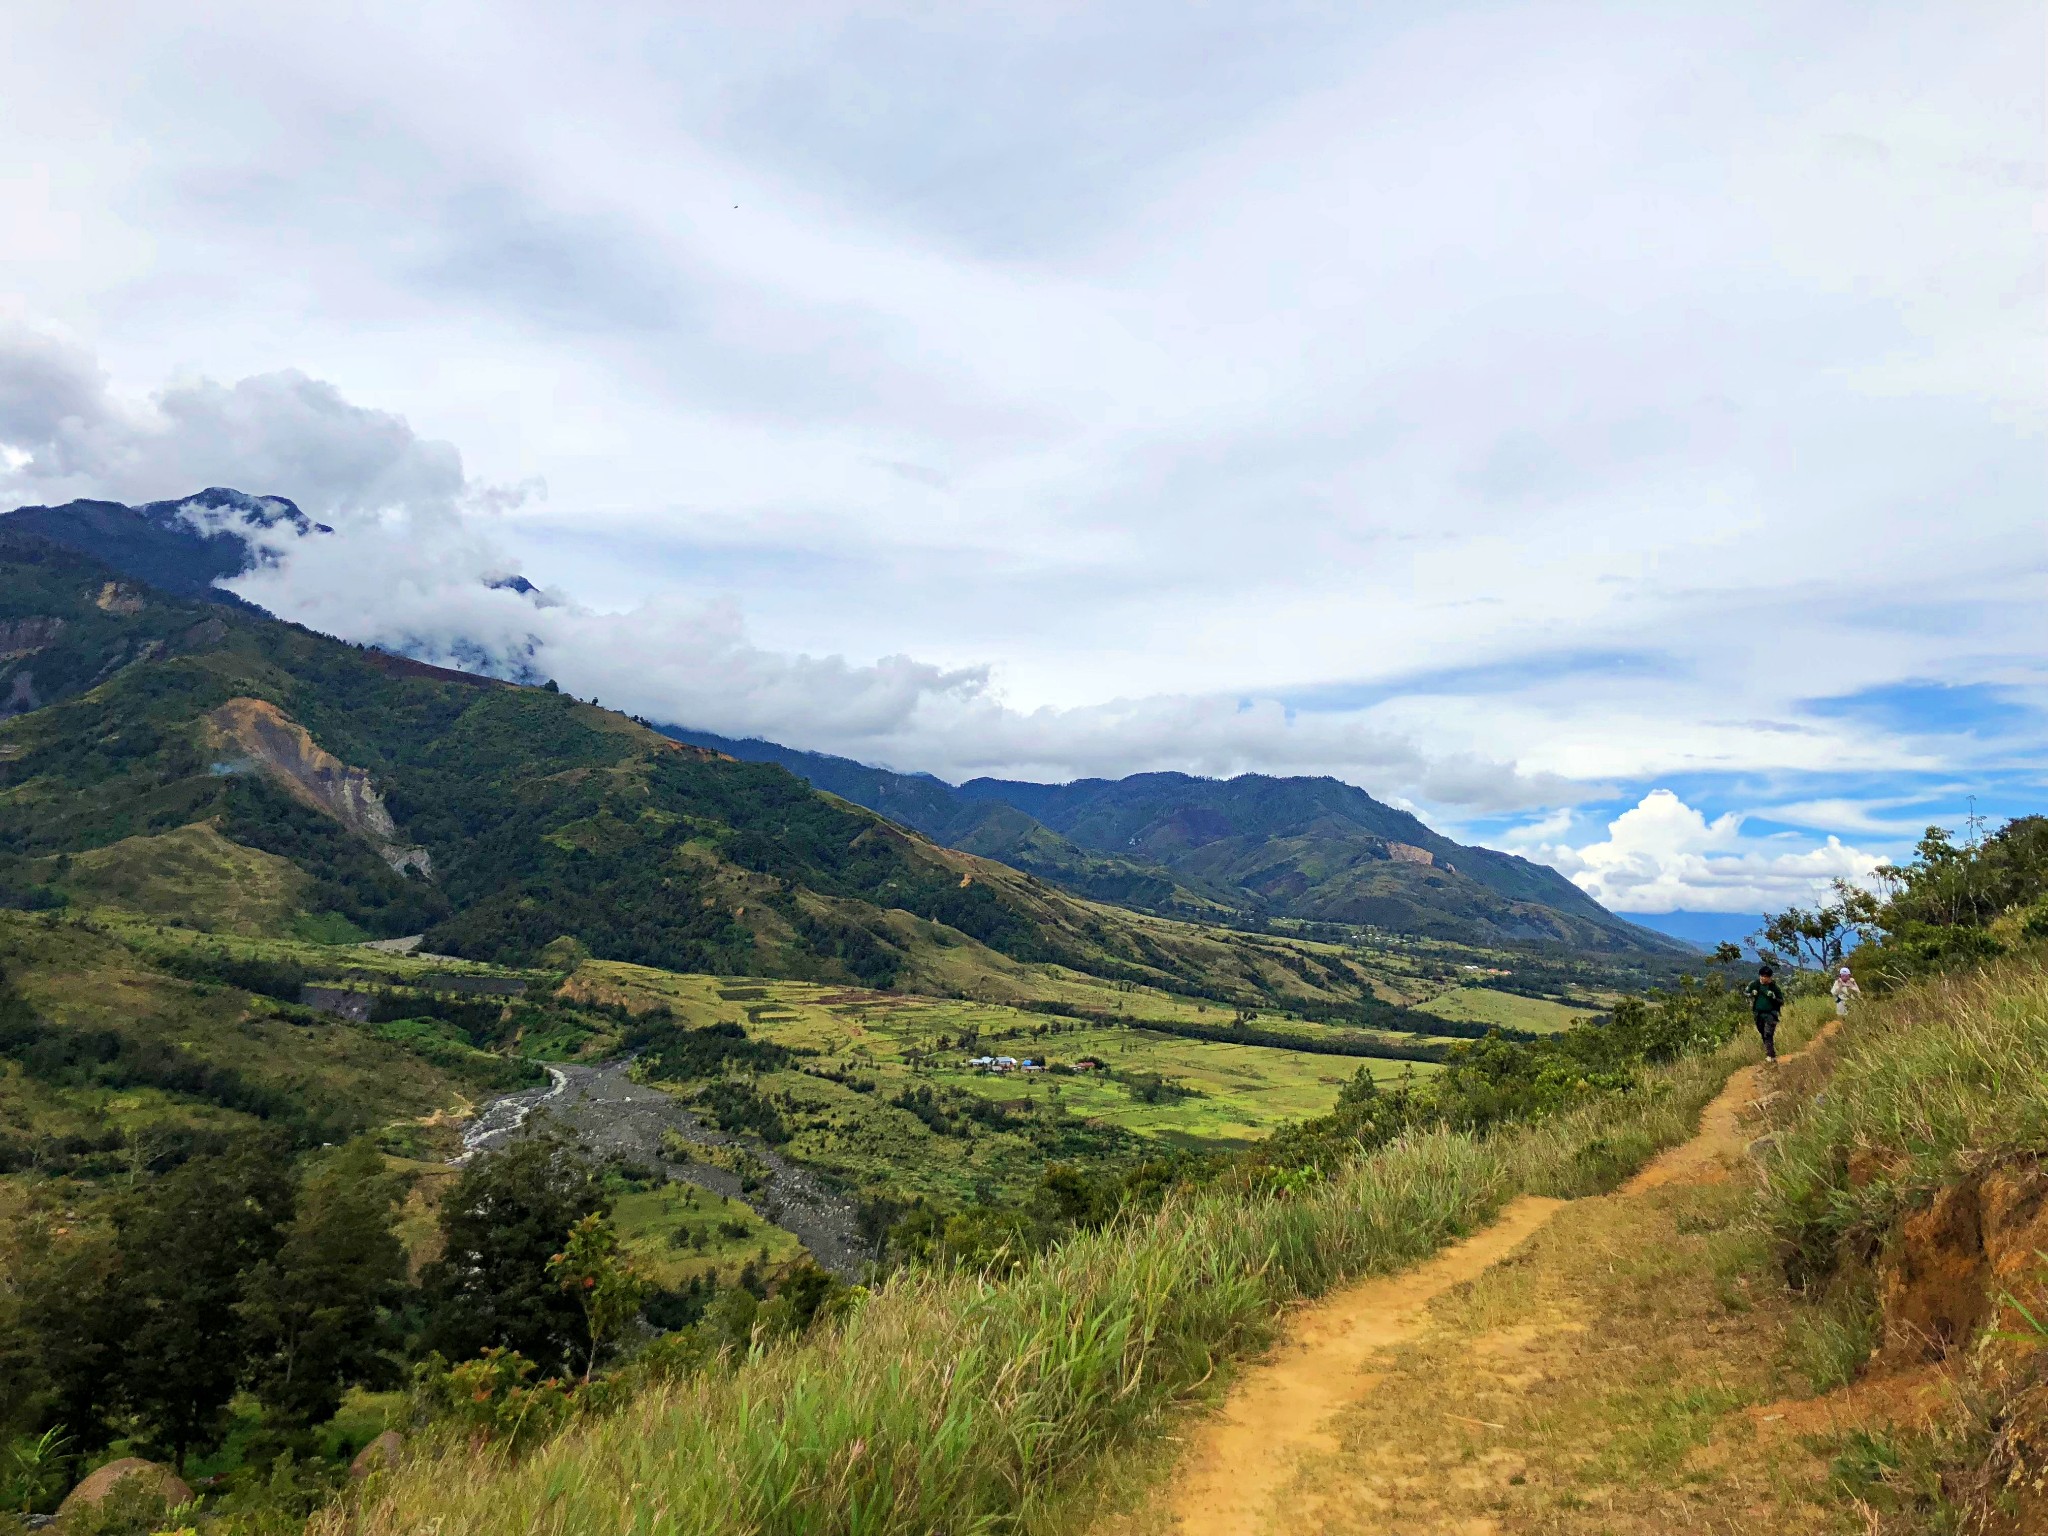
(1510, 1010)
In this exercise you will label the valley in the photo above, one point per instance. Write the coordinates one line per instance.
(465, 998)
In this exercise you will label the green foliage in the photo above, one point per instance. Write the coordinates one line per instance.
(1817, 937)
(1325, 1044)
(319, 1312)
(1937, 913)
(350, 881)
(492, 1399)
(139, 1321)
(184, 1252)
(591, 1269)
(673, 1054)
(34, 1471)
(738, 1106)
(506, 1218)
(281, 979)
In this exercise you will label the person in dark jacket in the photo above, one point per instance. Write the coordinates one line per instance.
(1766, 1002)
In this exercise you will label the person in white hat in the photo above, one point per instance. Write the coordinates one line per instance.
(1844, 989)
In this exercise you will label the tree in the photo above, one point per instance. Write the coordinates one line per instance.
(185, 1244)
(508, 1215)
(591, 1269)
(69, 1351)
(319, 1312)
(1815, 938)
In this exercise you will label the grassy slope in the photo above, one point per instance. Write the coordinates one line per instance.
(191, 876)
(1510, 1010)
(948, 1403)
(81, 982)
(1938, 1103)
(650, 1221)
(1949, 1078)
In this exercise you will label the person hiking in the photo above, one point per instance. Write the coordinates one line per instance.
(1766, 1002)
(1844, 992)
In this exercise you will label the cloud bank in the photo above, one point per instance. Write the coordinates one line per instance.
(1662, 855)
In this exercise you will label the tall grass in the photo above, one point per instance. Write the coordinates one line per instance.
(1946, 1077)
(953, 1404)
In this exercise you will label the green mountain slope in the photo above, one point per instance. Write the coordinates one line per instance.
(363, 793)
(1315, 849)
(1320, 849)
(992, 827)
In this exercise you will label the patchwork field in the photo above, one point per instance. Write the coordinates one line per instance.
(876, 1095)
(1189, 1093)
(1510, 1010)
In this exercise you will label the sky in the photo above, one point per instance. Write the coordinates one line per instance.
(1613, 431)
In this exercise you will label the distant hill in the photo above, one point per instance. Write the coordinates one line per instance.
(990, 827)
(206, 764)
(1315, 849)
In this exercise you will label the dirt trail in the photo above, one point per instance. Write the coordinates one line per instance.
(1282, 1407)
(1288, 1407)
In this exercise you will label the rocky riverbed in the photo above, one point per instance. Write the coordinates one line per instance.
(615, 1116)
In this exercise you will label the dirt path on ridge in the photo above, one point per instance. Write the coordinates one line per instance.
(1240, 1466)
(1282, 1407)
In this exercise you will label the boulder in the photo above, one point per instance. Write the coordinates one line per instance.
(165, 1483)
(380, 1455)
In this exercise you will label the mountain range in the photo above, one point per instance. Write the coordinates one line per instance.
(1312, 849)
(1243, 850)
(211, 766)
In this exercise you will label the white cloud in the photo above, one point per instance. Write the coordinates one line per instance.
(1866, 816)
(420, 583)
(416, 547)
(1662, 855)
(70, 434)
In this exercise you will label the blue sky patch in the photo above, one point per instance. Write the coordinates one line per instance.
(1934, 709)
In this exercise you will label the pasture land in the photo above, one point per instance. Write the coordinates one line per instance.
(1510, 1010)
